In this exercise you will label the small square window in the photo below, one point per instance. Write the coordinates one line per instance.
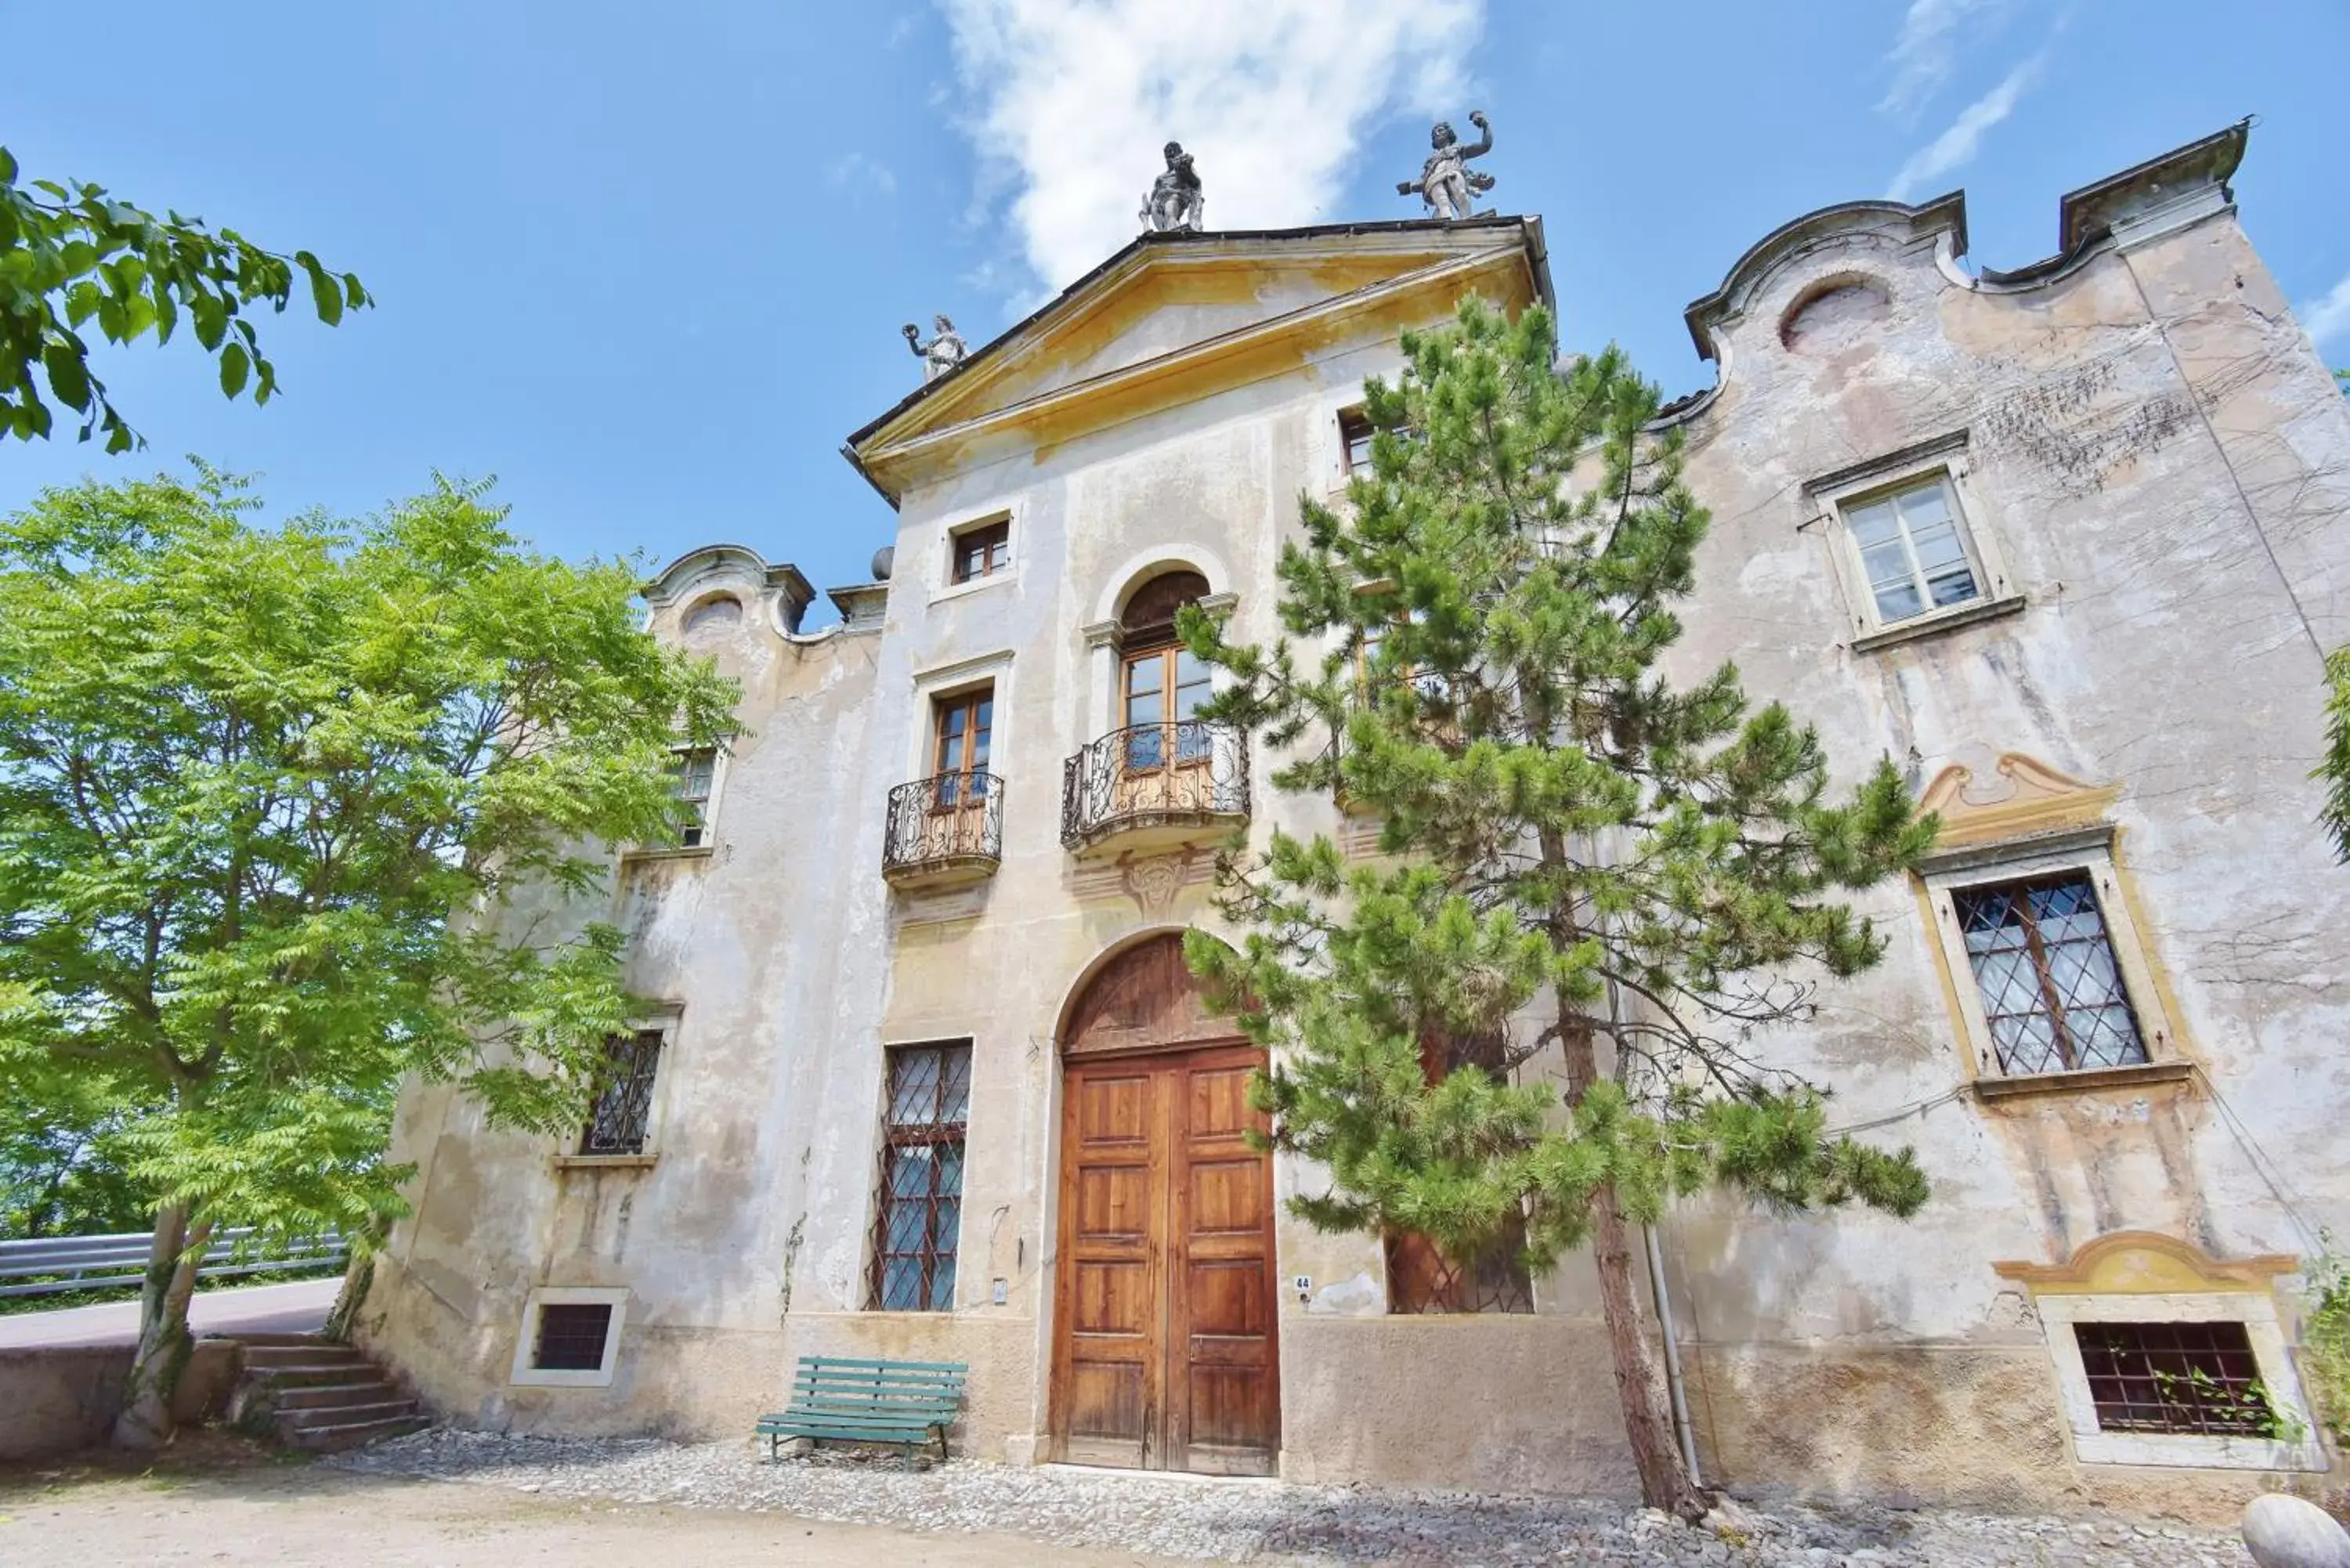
(1355, 441)
(982, 552)
(1913, 552)
(571, 1336)
(622, 1114)
(2045, 966)
(695, 774)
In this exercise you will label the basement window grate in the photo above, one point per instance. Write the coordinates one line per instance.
(2175, 1377)
(571, 1336)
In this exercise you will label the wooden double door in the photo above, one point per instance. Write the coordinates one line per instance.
(1165, 1352)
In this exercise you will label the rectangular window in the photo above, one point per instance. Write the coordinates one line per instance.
(1164, 689)
(694, 771)
(1420, 1277)
(2177, 1377)
(1913, 550)
(1354, 440)
(624, 1096)
(984, 551)
(571, 1336)
(2043, 960)
(962, 726)
(919, 1211)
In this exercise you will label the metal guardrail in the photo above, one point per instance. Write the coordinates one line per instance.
(97, 1262)
(944, 819)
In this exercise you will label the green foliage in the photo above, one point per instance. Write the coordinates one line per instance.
(63, 1163)
(2333, 768)
(72, 254)
(1578, 853)
(246, 774)
(2325, 1341)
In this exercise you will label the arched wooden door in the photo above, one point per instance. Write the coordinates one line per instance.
(1164, 1349)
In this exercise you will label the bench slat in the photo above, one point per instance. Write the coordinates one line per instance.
(835, 1360)
(872, 1401)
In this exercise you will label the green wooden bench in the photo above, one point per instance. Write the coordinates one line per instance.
(844, 1401)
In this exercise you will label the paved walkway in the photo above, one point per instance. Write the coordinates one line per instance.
(298, 1308)
(279, 1517)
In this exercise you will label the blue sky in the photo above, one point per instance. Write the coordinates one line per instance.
(647, 263)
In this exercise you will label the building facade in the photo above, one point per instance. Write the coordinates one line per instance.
(927, 1079)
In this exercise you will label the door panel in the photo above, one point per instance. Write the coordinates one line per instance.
(1164, 1350)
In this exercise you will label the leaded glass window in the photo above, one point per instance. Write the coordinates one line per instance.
(918, 1212)
(2044, 962)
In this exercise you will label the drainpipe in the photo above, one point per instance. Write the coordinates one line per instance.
(1681, 1427)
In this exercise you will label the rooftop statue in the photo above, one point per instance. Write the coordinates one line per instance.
(1445, 183)
(1175, 202)
(941, 353)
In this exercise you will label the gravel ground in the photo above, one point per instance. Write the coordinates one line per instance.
(1240, 1521)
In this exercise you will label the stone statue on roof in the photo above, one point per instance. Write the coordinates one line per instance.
(941, 354)
(1446, 182)
(1175, 202)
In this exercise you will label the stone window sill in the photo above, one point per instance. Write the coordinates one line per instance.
(675, 852)
(2174, 1452)
(996, 579)
(605, 1161)
(1969, 614)
(2136, 1075)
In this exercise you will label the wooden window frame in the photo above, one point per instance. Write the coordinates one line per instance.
(939, 1244)
(978, 745)
(1354, 429)
(993, 536)
(2047, 990)
(1940, 461)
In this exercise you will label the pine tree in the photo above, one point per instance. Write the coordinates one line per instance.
(1579, 860)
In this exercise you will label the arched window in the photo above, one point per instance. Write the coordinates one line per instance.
(1162, 684)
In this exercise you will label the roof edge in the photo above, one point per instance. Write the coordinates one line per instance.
(1943, 212)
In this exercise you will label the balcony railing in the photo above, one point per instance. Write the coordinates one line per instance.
(945, 828)
(1184, 774)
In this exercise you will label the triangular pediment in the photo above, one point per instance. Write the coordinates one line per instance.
(1179, 316)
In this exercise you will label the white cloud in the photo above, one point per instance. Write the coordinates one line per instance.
(2328, 318)
(1923, 56)
(1069, 101)
(862, 173)
(1956, 147)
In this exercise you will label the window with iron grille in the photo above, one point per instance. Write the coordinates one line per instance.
(2043, 964)
(693, 773)
(1914, 550)
(622, 1113)
(571, 1336)
(984, 551)
(2175, 1377)
(1420, 1277)
(918, 1207)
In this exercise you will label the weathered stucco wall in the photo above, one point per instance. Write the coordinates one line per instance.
(2163, 469)
(59, 1399)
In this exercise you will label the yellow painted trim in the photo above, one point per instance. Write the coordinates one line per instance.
(2165, 996)
(1962, 1032)
(2039, 799)
(2146, 1263)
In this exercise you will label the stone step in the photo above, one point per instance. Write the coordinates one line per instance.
(276, 1340)
(335, 1440)
(337, 1395)
(312, 1375)
(398, 1407)
(301, 1352)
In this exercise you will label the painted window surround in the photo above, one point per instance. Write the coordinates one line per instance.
(2030, 820)
(719, 762)
(1945, 458)
(1104, 636)
(943, 682)
(2137, 1276)
(524, 1375)
(939, 568)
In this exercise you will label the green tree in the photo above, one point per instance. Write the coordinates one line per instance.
(2334, 767)
(1579, 854)
(246, 774)
(63, 1165)
(72, 254)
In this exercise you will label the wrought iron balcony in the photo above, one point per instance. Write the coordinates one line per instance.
(944, 829)
(1156, 783)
